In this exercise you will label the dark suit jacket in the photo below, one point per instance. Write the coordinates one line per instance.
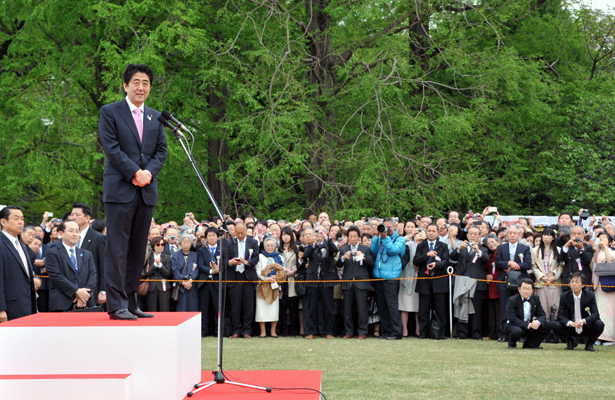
(126, 154)
(165, 272)
(515, 313)
(250, 269)
(313, 258)
(177, 264)
(204, 258)
(62, 279)
(423, 286)
(566, 307)
(17, 294)
(354, 269)
(466, 267)
(95, 243)
(571, 266)
(502, 257)
(37, 271)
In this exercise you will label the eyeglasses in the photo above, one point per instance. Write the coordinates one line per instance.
(160, 244)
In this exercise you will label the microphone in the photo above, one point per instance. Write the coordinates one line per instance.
(166, 114)
(168, 124)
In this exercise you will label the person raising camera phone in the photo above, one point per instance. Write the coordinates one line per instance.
(577, 256)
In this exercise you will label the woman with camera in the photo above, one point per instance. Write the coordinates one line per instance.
(289, 301)
(605, 300)
(158, 267)
(184, 265)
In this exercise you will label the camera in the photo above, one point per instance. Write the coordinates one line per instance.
(577, 240)
(584, 214)
(301, 248)
(172, 237)
(339, 238)
(421, 230)
(381, 228)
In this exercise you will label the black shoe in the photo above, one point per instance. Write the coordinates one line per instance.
(122, 314)
(422, 337)
(394, 338)
(443, 338)
(478, 338)
(502, 340)
(589, 347)
(512, 346)
(381, 337)
(533, 347)
(141, 314)
(571, 345)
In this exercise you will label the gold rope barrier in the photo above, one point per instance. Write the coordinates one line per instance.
(341, 280)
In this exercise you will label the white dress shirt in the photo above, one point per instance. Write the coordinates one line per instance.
(82, 236)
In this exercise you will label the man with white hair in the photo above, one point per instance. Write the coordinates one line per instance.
(511, 256)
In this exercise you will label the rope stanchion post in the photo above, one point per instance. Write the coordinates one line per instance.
(450, 271)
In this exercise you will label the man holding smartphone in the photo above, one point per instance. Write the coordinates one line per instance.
(243, 259)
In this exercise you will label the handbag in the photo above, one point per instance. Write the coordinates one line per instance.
(143, 288)
(605, 269)
(299, 284)
(175, 291)
(607, 281)
(435, 332)
(513, 279)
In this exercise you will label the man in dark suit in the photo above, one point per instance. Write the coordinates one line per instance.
(578, 315)
(357, 261)
(318, 262)
(95, 243)
(136, 148)
(432, 259)
(243, 257)
(577, 257)
(471, 257)
(526, 318)
(209, 259)
(17, 294)
(511, 256)
(72, 273)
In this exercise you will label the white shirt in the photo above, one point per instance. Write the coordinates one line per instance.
(241, 248)
(82, 236)
(431, 244)
(68, 249)
(133, 108)
(527, 309)
(574, 297)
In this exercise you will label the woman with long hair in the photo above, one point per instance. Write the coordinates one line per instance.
(159, 269)
(289, 302)
(547, 271)
(408, 298)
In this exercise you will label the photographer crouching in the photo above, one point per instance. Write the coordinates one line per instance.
(389, 247)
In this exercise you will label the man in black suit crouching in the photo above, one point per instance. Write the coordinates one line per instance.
(72, 273)
(578, 315)
(526, 318)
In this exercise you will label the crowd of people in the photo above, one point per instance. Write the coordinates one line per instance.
(387, 278)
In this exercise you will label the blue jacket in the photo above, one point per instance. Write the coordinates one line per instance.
(388, 258)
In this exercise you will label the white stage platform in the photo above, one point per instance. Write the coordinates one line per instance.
(153, 358)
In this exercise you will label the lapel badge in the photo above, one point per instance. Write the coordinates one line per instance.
(149, 117)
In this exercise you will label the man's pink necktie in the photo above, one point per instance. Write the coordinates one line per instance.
(139, 123)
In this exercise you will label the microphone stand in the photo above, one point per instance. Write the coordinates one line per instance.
(219, 373)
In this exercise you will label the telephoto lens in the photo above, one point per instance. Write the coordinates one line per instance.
(381, 228)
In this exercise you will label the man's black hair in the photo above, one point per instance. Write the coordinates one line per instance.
(132, 69)
(6, 211)
(84, 207)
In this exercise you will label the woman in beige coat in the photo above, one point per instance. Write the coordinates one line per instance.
(547, 270)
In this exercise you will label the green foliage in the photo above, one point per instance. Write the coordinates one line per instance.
(349, 107)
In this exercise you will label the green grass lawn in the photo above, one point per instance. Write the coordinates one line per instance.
(412, 368)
